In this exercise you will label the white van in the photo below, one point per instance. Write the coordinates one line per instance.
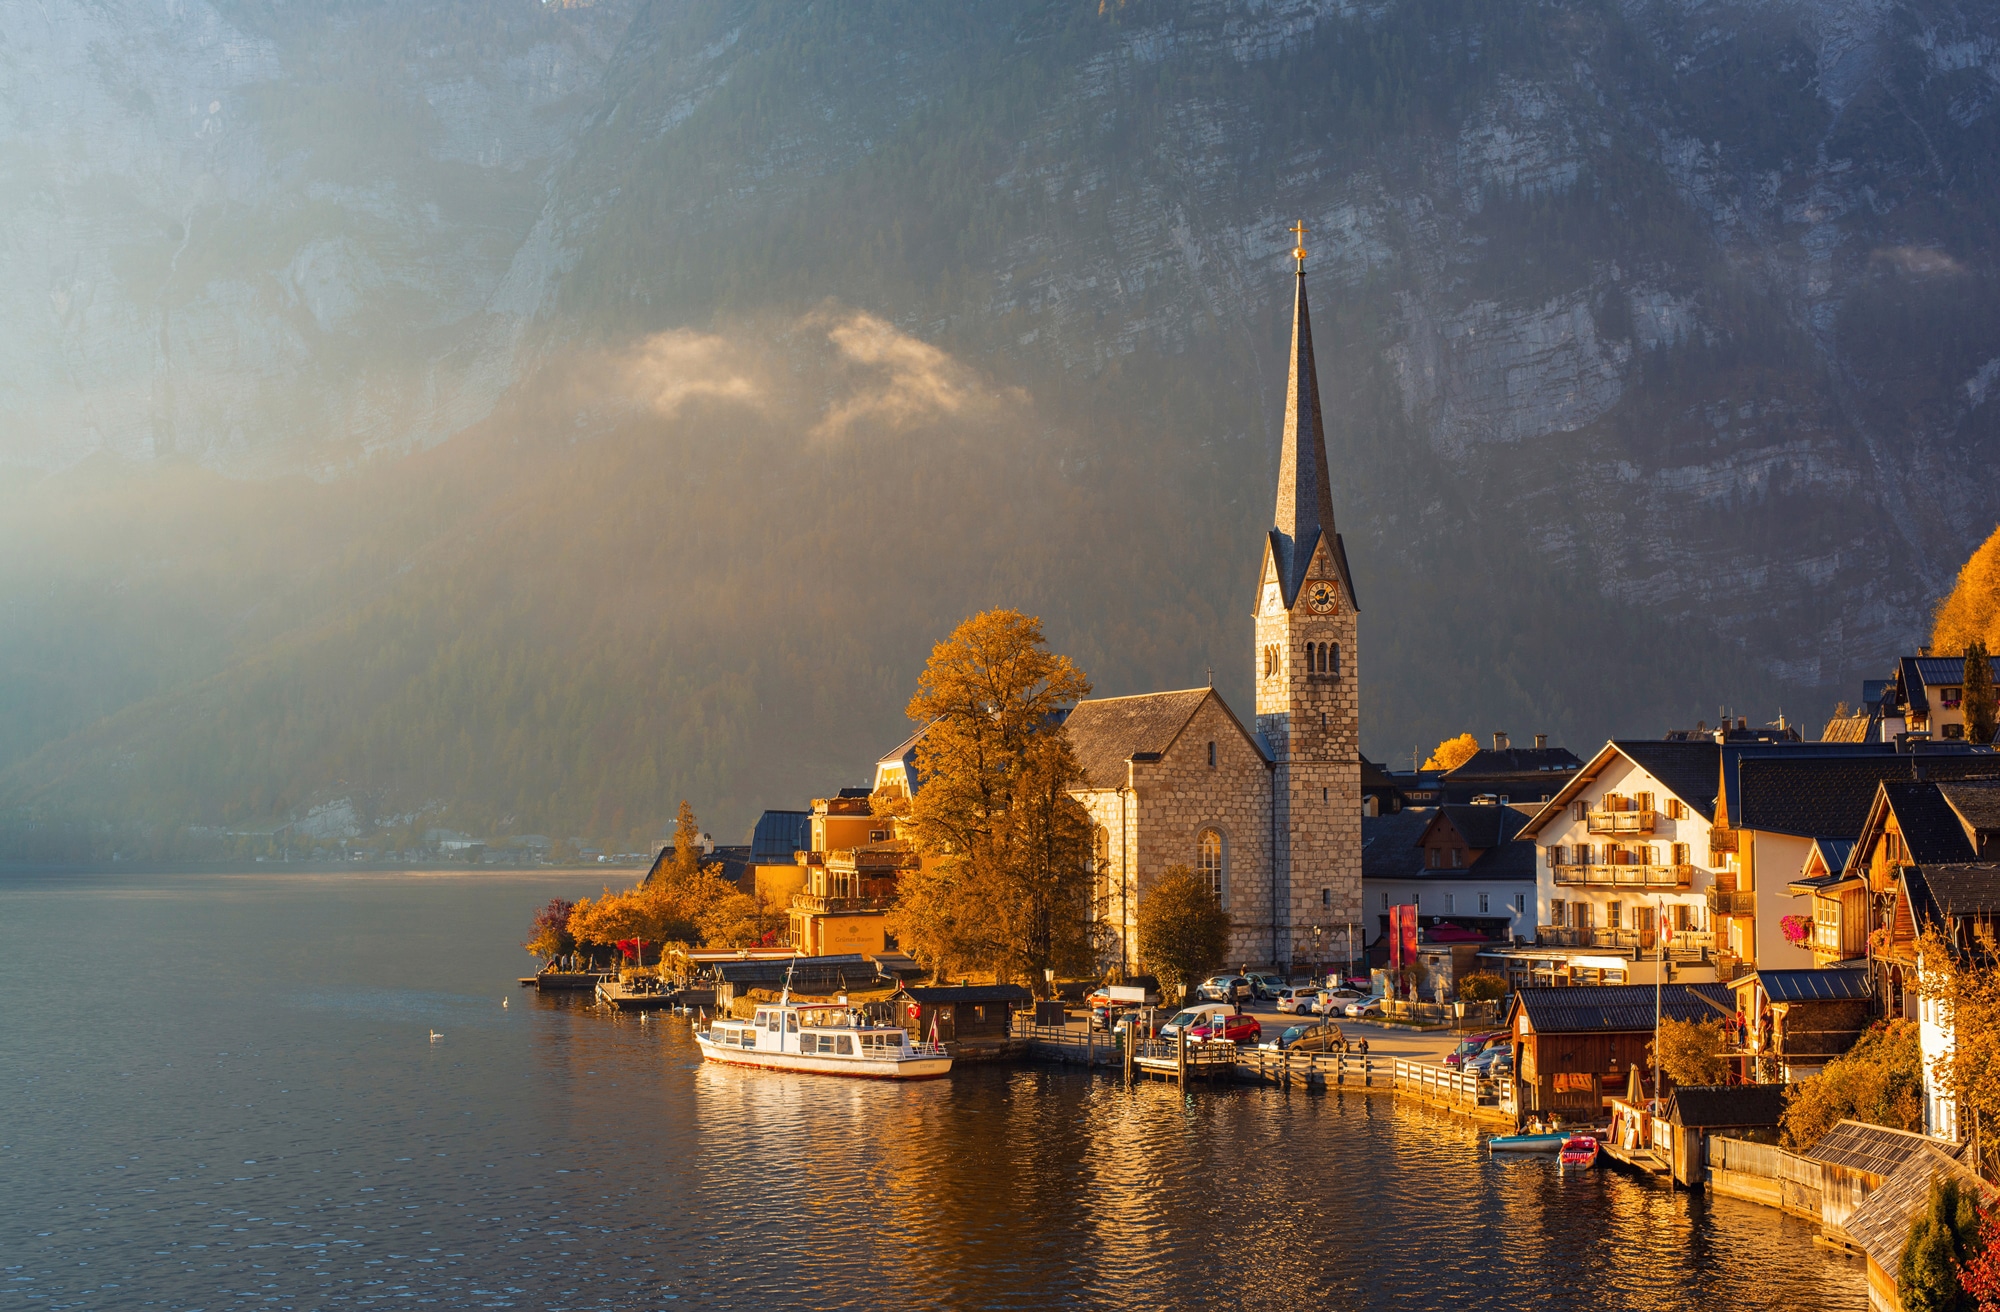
(1189, 1017)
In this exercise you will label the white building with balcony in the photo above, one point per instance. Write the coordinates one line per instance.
(1623, 873)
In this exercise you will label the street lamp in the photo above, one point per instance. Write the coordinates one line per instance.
(1319, 961)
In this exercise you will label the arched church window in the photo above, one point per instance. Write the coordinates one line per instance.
(1210, 862)
(1333, 658)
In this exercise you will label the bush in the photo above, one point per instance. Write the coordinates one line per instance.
(1482, 986)
(1183, 934)
(1879, 1080)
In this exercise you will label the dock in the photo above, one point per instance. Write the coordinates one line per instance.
(566, 981)
(1448, 1088)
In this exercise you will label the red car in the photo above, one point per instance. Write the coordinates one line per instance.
(1236, 1029)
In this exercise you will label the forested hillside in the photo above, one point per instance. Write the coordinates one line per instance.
(625, 420)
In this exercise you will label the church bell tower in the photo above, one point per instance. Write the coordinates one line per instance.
(1308, 667)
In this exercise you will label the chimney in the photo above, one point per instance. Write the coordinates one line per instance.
(1743, 722)
(1499, 740)
(1701, 726)
(1541, 741)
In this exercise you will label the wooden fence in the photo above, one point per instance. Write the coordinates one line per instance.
(1764, 1173)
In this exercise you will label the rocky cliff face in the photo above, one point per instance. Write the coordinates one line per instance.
(1645, 324)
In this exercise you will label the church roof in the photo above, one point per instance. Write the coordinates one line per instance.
(1105, 731)
(1305, 493)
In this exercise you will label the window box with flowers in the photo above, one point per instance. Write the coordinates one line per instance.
(1797, 929)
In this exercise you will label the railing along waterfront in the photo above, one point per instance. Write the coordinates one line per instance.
(1626, 876)
(1621, 822)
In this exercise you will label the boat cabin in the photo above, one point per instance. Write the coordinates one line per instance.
(826, 1030)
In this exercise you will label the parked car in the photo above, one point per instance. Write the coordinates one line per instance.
(1264, 987)
(1225, 988)
(1363, 1007)
(1319, 1037)
(1470, 1048)
(1234, 1028)
(1495, 1062)
(1135, 1021)
(1190, 1017)
(1298, 1000)
(1334, 1002)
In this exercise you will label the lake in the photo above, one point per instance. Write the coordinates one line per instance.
(220, 1091)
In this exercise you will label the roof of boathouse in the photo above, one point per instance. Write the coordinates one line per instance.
(1619, 1008)
(1874, 1149)
(1714, 1106)
(936, 995)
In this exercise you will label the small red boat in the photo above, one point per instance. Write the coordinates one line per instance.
(1578, 1150)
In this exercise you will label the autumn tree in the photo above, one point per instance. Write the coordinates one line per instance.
(687, 844)
(1879, 1080)
(1482, 986)
(549, 936)
(1008, 884)
(1971, 611)
(1452, 753)
(1183, 930)
(1944, 1237)
(1690, 1051)
(1980, 710)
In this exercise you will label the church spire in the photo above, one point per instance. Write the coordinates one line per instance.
(1305, 495)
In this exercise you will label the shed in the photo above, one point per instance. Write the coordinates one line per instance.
(1742, 1111)
(1573, 1045)
(1881, 1225)
(963, 1013)
(1855, 1158)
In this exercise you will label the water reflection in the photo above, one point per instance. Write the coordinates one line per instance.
(270, 1125)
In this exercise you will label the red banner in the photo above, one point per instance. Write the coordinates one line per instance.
(1403, 935)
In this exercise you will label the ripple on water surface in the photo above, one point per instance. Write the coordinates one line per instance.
(271, 1126)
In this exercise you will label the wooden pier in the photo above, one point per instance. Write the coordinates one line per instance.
(1180, 1060)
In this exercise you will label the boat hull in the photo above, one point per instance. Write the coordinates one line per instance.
(1526, 1143)
(854, 1068)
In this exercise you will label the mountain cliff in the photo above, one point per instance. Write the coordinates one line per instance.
(1657, 341)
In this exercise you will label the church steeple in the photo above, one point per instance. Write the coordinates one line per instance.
(1305, 493)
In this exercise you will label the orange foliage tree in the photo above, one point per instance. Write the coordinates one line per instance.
(1971, 611)
(1452, 753)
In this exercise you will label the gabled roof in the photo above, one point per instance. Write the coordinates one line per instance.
(1847, 728)
(1619, 1008)
(949, 994)
(1736, 755)
(904, 754)
(1919, 674)
(1931, 829)
(1977, 802)
(1875, 1149)
(1685, 769)
(1726, 1106)
(1304, 514)
(1389, 844)
(1881, 1225)
(1482, 826)
(1507, 762)
(1810, 795)
(1105, 731)
(1838, 985)
(1958, 889)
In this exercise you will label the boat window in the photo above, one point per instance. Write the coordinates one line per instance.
(773, 1027)
(791, 1024)
(759, 1021)
(846, 1046)
(749, 1039)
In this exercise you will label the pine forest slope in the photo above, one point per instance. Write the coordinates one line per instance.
(771, 339)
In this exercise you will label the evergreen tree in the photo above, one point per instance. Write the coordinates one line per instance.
(1944, 1235)
(1980, 709)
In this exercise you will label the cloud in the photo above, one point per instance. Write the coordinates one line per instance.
(905, 380)
(1918, 261)
(672, 369)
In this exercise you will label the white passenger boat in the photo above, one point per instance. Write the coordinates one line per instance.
(821, 1039)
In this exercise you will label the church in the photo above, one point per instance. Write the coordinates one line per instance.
(1269, 811)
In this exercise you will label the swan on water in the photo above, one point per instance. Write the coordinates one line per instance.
(435, 1036)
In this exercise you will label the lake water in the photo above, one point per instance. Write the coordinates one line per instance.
(220, 1092)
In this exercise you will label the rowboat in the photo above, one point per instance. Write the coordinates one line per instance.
(1526, 1143)
(1578, 1150)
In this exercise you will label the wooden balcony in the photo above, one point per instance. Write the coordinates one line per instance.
(1621, 822)
(1686, 944)
(821, 905)
(1730, 902)
(1632, 876)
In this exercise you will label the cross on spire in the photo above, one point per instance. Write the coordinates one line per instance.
(1300, 230)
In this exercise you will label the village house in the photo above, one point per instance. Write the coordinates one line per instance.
(1461, 867)
(1623, 872)
(1795, 1021)
(1926, 695)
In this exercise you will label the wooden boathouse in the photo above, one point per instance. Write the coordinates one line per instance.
(1574, 1047)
